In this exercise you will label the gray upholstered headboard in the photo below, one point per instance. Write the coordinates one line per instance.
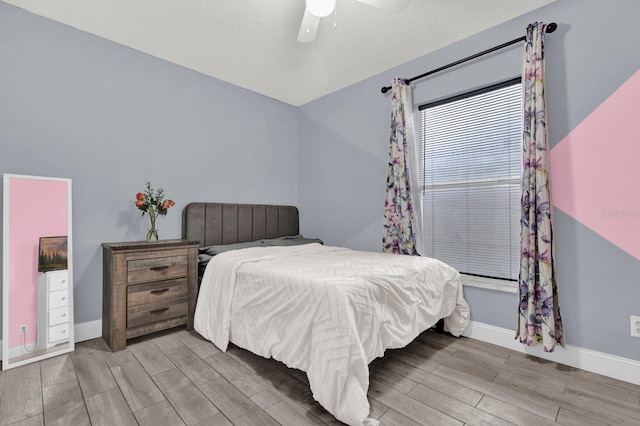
(220, 223)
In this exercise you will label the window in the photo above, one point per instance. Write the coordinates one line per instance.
(470, 174)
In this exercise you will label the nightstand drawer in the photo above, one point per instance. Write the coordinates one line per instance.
(58, 315)
(141, 294)
(153, 312)
(58, 299)
(156, 269)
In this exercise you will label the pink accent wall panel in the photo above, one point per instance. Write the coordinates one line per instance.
(595, 172)
(37, 208)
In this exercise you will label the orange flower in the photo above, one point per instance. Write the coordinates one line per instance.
(172, 203)
(139, 203)
(165, 205)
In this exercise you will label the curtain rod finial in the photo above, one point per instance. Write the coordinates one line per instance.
(385, 89)
(551, 27)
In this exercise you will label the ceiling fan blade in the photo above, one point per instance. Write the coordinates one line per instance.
(308, 28)
(392, 5)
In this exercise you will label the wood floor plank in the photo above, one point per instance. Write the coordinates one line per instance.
(447, 387)
(167, 341)
(443, 343)
(217, 419)
(376, 408)
(31, 421)
(64, 404)
(392, 379)
(56, 370)
(328, 418)
(569, 374)
(198, 345)
(151, 358)
(239, 375)
(591, 407)
(484, 347)
(93, 373)
(605, 393)
(599, 410)
(410, 407)
(272, 372)
(571, 418)
(158, 414)
(109, 408)
(138, 388)
(191, 365)
(21, 394)
(446, 358)
(235, 405)
(117, 358)
(511, 413)
(284, 410)
(406, 357)
(393, 418)
(494, 362)
(454, 408)
(513, 395)
(190, 404)
(532, 380)
(91, 346)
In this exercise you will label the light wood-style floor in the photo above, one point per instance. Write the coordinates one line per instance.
(178, 378)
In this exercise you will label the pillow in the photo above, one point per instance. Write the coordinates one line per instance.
(291, 240)
(207, 253)
(213, 250)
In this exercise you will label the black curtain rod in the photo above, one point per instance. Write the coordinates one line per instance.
(550, 28)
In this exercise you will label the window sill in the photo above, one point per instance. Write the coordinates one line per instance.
(490, 284)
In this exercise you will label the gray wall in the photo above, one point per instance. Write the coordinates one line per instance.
(343, 150)
(110, 118)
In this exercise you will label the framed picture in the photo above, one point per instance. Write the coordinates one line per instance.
(52, 253)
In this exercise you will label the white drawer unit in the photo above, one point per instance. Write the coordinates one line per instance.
(54, 298)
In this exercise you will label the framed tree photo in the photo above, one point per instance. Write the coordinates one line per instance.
(52, 253)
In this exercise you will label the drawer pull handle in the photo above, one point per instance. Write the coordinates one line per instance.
(162, 290)
(159, 311)
(159, 268)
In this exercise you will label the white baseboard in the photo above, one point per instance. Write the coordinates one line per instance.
(83, 331)
(613, 366)
(87, 330)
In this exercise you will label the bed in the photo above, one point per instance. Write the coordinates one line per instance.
(328, 311)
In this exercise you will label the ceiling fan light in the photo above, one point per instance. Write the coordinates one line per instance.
(320, 8)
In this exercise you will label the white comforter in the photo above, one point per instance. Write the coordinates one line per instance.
(328, 311)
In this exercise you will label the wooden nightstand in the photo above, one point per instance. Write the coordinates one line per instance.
(147, 287)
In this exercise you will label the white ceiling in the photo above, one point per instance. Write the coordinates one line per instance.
(252, 43)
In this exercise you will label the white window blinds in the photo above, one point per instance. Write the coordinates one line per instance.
(470, 173)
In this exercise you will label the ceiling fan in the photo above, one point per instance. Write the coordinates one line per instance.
(317, 9)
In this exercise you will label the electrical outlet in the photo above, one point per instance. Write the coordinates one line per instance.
(635, 326)
(23, 329)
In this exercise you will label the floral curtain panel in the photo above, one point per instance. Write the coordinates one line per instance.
(401, 216)
(539, 318)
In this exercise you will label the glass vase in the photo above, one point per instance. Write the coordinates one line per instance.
(152, 234)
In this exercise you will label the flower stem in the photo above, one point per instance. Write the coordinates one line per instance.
(153, 231)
